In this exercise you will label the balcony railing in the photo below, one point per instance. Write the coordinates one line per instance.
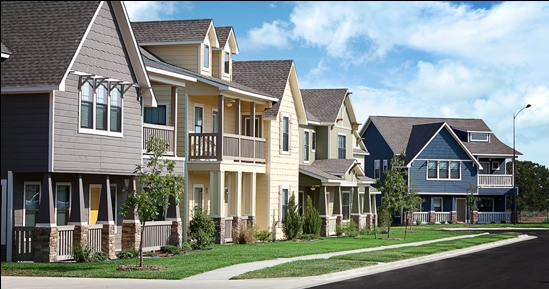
(495, 181)
(162, 131)
(204, 146)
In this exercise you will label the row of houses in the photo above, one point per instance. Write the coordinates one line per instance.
(83, 88)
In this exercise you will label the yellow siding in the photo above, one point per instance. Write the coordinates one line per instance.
(186, 56)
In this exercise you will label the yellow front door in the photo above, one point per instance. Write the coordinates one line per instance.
(95, 196)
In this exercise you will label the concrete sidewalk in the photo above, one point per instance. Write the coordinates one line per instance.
(220, 278)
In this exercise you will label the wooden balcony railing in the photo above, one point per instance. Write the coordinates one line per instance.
(204, 146)
(161, 131)
(495, 181)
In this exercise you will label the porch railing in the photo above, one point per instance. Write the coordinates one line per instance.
(204, 146)
(443, 217)
(423, 217)
(494, 217)
(156, 235)
(22, 244)
(94, 237)
(162, 131)
(229, 229)
(65, 242)
(332, 226)
(495, 181)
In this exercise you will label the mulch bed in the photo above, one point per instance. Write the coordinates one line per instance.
(144, 268)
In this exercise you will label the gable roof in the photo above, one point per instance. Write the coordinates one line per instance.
(323, 105)
(6, 51)
(334, 170)
(46, 36)
(173, 31)
(224, 34)
(403, 133)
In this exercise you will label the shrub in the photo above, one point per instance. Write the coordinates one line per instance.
(308, 237)
(127, 254)
(418, 222)
(366, 231)
(202, 229)
(244, 235)
(311, 219)
(99, 257)
(263, 236)
(339, 230)
(81, 254)
(292, 223)
(351, 229)
(185, 246)
(170, 249)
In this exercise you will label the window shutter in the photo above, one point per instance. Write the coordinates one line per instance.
(289, 137)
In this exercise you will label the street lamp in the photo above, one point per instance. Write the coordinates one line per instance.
(514, 156)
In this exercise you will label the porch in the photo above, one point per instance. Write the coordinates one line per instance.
(239, 148)
(447, 217)
(495, 181)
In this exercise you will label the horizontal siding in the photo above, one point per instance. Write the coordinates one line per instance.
(25, 132)
(378, 149)
(418, 174)
(443, 146)
(185, 56)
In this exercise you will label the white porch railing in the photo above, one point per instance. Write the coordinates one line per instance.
(495, 181)
(64, 244)
(229, 229)
(443, 217)
(332, 226)
(494, 217)
(423, 217)
(94, 237)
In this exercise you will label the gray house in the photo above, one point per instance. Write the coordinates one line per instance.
(73, 90)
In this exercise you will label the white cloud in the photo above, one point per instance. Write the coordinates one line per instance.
(270, 34)
(154, 10)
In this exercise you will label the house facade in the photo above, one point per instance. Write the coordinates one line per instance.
(330, 169)
(445, 159)
(71, 129)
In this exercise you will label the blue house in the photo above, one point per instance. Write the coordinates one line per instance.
(445, 157)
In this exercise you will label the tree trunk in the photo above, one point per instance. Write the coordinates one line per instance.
(141, 245)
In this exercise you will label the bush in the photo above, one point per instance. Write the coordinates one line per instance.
(339, 230)
(127, 254)
(244, 235)
(99, 257)
(170, 249)
(351, 229)
(292, 223)
(418, 222)
(202, 229)
(263, 236)
(311, 219)
(366, 231)
(185, 246)
(81, 254)
(308, 237)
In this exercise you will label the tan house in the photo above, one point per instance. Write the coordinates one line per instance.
(330, 169)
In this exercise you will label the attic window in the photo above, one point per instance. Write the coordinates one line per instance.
(481, 137)
(227, 62)
(206, 56)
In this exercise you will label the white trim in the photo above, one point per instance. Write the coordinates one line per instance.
(57, 184)
(307, 145)
(282, 151)
(5, 55)
(24, 197)
(171, 74)
(195, 105)
(498, 165)
(203, 54)
(470, 137)
(198, 186)
(438, 178)
(115, 214)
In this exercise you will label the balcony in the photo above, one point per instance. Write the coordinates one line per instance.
(162, 131)
(495, 181)
(204, 146)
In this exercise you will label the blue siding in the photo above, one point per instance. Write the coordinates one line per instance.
(501, 161)
(443, 146)
(418, 175)
(378, 149)
(495, 191)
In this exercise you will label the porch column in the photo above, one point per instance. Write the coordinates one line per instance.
(337, 206)
(373, 209)
(46, 234)
(253, 196)
(323, 211)
(104, 217)
(173, 118)
(356, 209)
(217, 196)
(453, 214)
(131, 227)
(220, 116)
(432, 215)
(77, 217)
(368, 207)
(236, 188)
(173, 214)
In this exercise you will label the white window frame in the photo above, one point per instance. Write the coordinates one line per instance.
(496, 165)
(441, 204)
(377, 167)
(93, 129)
(306, 149)
(226, 63)
(289, 142)
(195, 120)
(385, 165)
(57, 184)
(282, 205)
(345, 147)
(206, 57)
(449, 170)
(198, 186)
(31, 183)
(471, 139)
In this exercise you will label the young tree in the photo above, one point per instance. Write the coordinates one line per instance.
(411, 202)
(159, 183)
(394, 188)
(292, 223)
(471, 200)
(312, 220)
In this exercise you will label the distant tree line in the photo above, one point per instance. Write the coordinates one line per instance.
(532, 179)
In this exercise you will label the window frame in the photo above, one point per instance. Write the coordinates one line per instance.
(341, 151)
(284, 202)
(206, 57)
(34, 211)
(377, 169)
(441, 204)
(306, 146)
(385, 165)
(285, 134)
(473, 135)
(349, 205)
(151, 109)
(195, 122)
(313, 141)
(440, 172)
(226, 61)
(496, 165)
(215, 115)
(94, 85)
(67, 210)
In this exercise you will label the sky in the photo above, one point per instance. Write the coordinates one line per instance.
(484, 60)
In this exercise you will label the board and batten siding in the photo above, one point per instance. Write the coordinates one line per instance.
(25, 133)
(341, 127)
(102, 54)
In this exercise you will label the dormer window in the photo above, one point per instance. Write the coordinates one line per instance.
(227, 62)
(206, 56)
(479, 137)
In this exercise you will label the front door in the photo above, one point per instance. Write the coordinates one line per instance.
(95, 197)
(460, 210)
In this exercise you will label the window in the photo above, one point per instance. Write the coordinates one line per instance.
(376, 169)
(62, 203)
(432, 170)
(198, 119)
(214, 121)
(495, 166)
(32, 203)
(227, 67)
(478, 137)
(284, 202)
(443, 169)
(285, 134)
(101, 106)
(486, 205)
(206, 56)
(313, 141)
(306, 146)
(385, 165)
(437, 204)
(346, 202)
(341, 145)
(156, 115)
(198, 196)
(247, 128)
(455, 170)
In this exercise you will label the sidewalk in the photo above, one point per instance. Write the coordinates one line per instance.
(220, 278)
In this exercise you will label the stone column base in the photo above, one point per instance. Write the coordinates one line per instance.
(236, 227)
(474, 217)
(251, 221)
(325, 227)
(176, 233)
(80, 235)
(45, 244)
(108, 240)
(131, 235)
(454, 217)
(432, 217)
(219, 230)
(356, 219)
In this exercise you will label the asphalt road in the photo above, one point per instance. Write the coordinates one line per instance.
(523, 265)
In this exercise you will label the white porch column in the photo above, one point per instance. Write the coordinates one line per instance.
(253, 192)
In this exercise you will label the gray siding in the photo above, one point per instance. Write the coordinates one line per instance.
(103, 53)
(25, 133)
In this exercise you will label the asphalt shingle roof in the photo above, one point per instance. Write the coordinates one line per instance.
(269, 76)
(323, 105)
(223, 34)
(44, 39)
(403, 133)
(171, 31)
(332, 169)
(6, 49)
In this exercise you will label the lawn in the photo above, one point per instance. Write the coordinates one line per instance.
(196, 262)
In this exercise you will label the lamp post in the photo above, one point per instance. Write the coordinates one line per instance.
(514, 156)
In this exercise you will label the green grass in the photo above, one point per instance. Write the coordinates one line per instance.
(196, 262)
(304, 268)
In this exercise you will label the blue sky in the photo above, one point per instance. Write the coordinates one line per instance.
(426, 59)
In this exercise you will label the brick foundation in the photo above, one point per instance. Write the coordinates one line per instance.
(369, 220)
(80, 235)
(45, 244)
(236, 226)
(131, 235)
(219, 230)
(356, 219)
(432, 217)
(474, 217)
